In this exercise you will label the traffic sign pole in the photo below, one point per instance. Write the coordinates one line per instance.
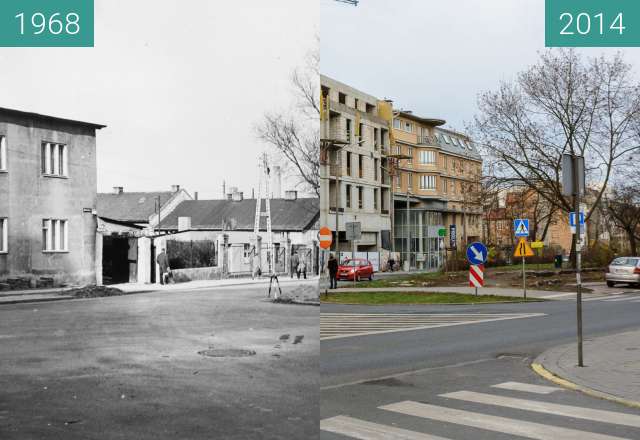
(576, 194)
(524, 279)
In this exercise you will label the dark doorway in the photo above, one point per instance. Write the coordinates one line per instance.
(115, 260)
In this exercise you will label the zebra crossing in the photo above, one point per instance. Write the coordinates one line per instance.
(528, 400)
(628, 296)
(344, 325)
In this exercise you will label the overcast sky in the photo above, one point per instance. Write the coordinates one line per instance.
(179, 84)
(432, 56)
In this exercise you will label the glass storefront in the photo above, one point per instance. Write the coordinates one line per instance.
(418, 242)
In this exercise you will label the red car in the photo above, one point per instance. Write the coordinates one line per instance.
(358, 268)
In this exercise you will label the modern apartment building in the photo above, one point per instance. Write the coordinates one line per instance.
(436, 189)
(354, 172)
(47, 198)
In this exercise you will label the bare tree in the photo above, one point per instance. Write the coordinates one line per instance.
(562, 104)
(295, 133)
(623, 206)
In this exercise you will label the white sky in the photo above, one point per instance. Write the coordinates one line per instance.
(179, 84)
(433, 56)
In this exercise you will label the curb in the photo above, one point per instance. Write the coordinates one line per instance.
(435, 304)
(34, 301)
(552, 377)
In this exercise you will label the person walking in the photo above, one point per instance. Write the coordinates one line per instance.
(332, 265)
(163, 263)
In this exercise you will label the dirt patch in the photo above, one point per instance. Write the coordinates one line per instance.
(227, 352)
(93, 292)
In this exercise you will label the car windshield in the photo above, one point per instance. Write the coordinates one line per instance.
(352, 263)
(625, 261)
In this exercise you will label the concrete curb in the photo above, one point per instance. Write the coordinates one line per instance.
(439, 304)
(37, 300)
(552, 377)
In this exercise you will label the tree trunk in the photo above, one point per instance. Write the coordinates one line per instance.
(632, 242)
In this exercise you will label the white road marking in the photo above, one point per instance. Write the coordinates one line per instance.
(363, 430)
(493, 423)
(626, 298)
(344, 325)
(558, 295)
(576, 412)
(526, 387)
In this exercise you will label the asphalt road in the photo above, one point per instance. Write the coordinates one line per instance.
(361, 374)
(128, 368)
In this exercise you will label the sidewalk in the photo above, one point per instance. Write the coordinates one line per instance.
(611, 371)
(58, 294)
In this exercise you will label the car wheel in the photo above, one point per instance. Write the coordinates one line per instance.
(610, 284)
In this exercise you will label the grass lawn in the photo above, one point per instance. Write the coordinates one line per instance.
(375, 298)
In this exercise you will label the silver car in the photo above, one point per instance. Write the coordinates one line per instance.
(623, 270)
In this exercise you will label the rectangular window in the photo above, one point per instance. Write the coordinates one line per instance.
(375, 199)
(348, 164)
(410, 154)
(342, 98)
(427, 182)
(54, 159)
(3, 153)
(55, 235)
(375, 139)
(348, 198)
(375, 169)
(398, 180)
(360, 166)
(409, 180)
(349, 130)
(4, 235)
(360, 197)
(397, 124)
(428, 157)
(356, 103)
(361, 133)
(444, 185)
(408, 126)
(246, 250)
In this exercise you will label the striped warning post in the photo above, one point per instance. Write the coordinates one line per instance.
(476, 275)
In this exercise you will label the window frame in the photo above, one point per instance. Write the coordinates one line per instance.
(54, 159)
(4, 235)
(4, 167)
(55, 235)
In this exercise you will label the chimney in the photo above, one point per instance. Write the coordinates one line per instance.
(175, 188)
(118, 189)
(277, 182)
(237, 196)
(224, 189)
(184, 223)
(195, 195)
(291, 195)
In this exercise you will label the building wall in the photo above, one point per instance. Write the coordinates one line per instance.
(362, 137)
(27, 197)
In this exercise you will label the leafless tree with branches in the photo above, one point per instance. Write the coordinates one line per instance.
(294, 133)
(563, 104)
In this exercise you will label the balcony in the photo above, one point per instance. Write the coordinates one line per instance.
(336, 137)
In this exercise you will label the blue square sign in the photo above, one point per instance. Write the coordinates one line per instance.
(521, 227)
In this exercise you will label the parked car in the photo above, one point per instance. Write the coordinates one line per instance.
(623, 270)
(358, 268)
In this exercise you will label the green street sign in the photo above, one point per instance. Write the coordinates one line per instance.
(442, 232)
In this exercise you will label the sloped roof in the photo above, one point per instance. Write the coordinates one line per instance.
(134, 207)
(39, 116)
(286, 215)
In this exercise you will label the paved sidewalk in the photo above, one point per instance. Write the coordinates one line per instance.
(498, 291)
(58, 294)
(612, 365)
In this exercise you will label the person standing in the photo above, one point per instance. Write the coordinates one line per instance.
(163, 263)
(332, 265)
(294, 264)
(302, 268)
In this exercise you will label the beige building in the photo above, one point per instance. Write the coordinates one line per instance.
(436, 186)
(355, 185)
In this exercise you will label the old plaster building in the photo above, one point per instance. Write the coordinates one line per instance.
(47, 199)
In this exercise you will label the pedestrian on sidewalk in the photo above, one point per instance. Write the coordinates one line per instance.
(163, 263)
(332, 265)
(391, 263)
(302, 268)
(294, 264)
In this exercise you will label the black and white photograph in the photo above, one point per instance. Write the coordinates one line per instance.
(159, 209)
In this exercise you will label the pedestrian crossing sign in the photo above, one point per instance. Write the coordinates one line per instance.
(523, 249)
(521, 226)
